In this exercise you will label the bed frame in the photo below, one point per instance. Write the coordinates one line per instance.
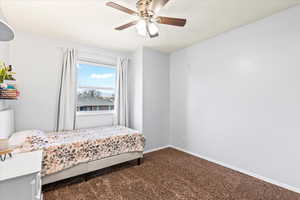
(92, 166)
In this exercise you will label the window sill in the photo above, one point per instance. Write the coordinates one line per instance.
(93, 113)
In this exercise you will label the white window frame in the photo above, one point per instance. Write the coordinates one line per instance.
(99, 64)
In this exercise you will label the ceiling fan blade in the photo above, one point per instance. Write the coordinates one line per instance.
(171, 21)
(121, 8)
(156, 5)
(126, 25)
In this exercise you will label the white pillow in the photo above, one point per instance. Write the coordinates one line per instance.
(19, 138)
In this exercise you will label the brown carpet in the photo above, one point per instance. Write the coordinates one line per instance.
(168, 175)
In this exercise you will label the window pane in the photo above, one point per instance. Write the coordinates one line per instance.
(96, 88)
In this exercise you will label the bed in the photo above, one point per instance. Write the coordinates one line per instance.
(71, 153)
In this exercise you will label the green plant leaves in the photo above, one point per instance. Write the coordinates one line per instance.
(5, 72)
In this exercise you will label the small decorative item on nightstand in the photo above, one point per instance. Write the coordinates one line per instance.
(4, 154)
(5, 149)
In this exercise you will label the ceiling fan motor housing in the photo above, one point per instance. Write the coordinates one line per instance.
(143, 8)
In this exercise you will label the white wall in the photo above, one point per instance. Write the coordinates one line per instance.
(4, 52)
(135, 90)
(149, 96)
(94, 120)
(155, 98)
(37, 62)
(235, 98)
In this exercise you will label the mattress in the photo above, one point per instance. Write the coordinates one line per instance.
(65, 149)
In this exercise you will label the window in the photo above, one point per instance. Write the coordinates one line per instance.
(96, 87)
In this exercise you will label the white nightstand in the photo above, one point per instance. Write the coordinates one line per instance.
(20, 177)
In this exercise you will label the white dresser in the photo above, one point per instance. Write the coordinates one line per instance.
(20, 177)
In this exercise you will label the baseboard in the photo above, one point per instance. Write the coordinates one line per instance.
(269, 180)
(157, 149)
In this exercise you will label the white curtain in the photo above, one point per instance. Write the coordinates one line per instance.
(121, 99)
(67, 92)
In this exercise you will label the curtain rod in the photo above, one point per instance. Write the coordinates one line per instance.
(97, 62)
(90, 52)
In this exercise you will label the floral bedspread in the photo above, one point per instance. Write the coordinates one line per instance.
(62, 150)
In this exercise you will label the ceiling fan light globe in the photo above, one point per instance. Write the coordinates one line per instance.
(141, 28)
(153, 29)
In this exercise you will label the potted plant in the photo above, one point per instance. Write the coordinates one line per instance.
(6, 76)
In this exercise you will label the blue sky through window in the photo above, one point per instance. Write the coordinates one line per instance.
(95, 76)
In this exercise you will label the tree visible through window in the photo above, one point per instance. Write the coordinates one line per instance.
(96, 87)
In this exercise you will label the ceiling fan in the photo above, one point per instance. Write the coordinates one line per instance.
(146, 25)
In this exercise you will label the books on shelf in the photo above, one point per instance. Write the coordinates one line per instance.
(8, 94)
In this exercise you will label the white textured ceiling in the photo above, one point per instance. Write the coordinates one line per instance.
(91, 22)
